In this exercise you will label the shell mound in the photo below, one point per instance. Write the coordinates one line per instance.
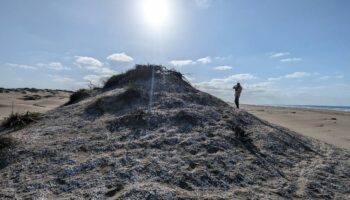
(120, 142)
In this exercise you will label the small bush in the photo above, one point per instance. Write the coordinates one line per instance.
(141, 72)
(31, 97)
(18, 121)
(185, 117)
(6, 142)
(130, 94)
(78, 96)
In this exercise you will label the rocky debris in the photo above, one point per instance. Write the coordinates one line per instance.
(186, 144)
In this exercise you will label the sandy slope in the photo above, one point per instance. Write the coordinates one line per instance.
(46, 100)
(332, 127)
(191, 146)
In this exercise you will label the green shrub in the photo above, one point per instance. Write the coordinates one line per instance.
(17, 121)
(78, 96)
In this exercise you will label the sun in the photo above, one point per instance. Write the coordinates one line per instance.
(156, 13)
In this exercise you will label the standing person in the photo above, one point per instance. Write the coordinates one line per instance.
(238, 89)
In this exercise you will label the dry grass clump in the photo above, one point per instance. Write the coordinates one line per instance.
(18, 120)
(78, 96)
(141, 72)
(130, 94)
(30, 97)
(6, 142)
(185, 117)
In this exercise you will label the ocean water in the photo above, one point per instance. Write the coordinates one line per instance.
(336, 108)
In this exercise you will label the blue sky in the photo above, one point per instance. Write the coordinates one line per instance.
(282, 52)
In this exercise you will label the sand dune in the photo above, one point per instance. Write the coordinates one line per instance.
(43, 100)
(185, 144)
(329, 126)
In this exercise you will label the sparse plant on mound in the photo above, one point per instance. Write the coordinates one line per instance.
(6, 142)
(130, 93)
(78, 96)
(141, 72)
(17, 121)
(185, 117)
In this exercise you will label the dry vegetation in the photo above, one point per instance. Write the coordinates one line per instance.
(17, 120)
(190, 145)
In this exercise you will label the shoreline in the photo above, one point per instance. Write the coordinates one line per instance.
(330, 126)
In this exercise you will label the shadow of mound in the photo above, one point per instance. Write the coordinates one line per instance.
(128, 100)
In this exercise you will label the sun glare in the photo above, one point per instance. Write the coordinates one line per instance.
(156, 13)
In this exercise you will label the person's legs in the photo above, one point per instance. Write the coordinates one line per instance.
(237, 101)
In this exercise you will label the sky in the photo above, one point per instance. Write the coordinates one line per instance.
(292, 52)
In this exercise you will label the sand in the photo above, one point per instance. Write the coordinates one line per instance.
(332, 127)
(45, 100)
(190, 146)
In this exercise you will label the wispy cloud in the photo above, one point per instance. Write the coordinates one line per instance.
(298, 75)
(96, 80)
(93, 64)
(223, 57)
(203, 3)
(61, 79)
(278, 55)
(84, 61)
(204, 60)
(105, 70)
(224, 67)
(181, 63)
(331, 77)
(120, 57)
(57, 66)
(221, 83)
(26, 67)
(189, 78)
(275, 78)
(286, 60)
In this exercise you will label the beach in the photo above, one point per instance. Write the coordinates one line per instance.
(32, 100)
(330, 126)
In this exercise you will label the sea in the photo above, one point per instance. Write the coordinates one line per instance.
(336, 108)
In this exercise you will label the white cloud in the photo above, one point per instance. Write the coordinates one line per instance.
(95, 79)
(220, 83)
(88, 62)
(298, 75)
(26, 67)
(280, 54)
(224, 67)
(181, 63)
(203, 3)
(61, 79)
(120, 57)
(57, 66)
(93, 64)
(339, 76)
(242, 77)
(105, 70)
(331, 77)
(223, 57)
(204, 60)
(275, 78)
(285, 60)
(189, 78)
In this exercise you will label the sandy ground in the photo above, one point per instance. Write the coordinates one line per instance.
(332, 127)
(45, 100)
